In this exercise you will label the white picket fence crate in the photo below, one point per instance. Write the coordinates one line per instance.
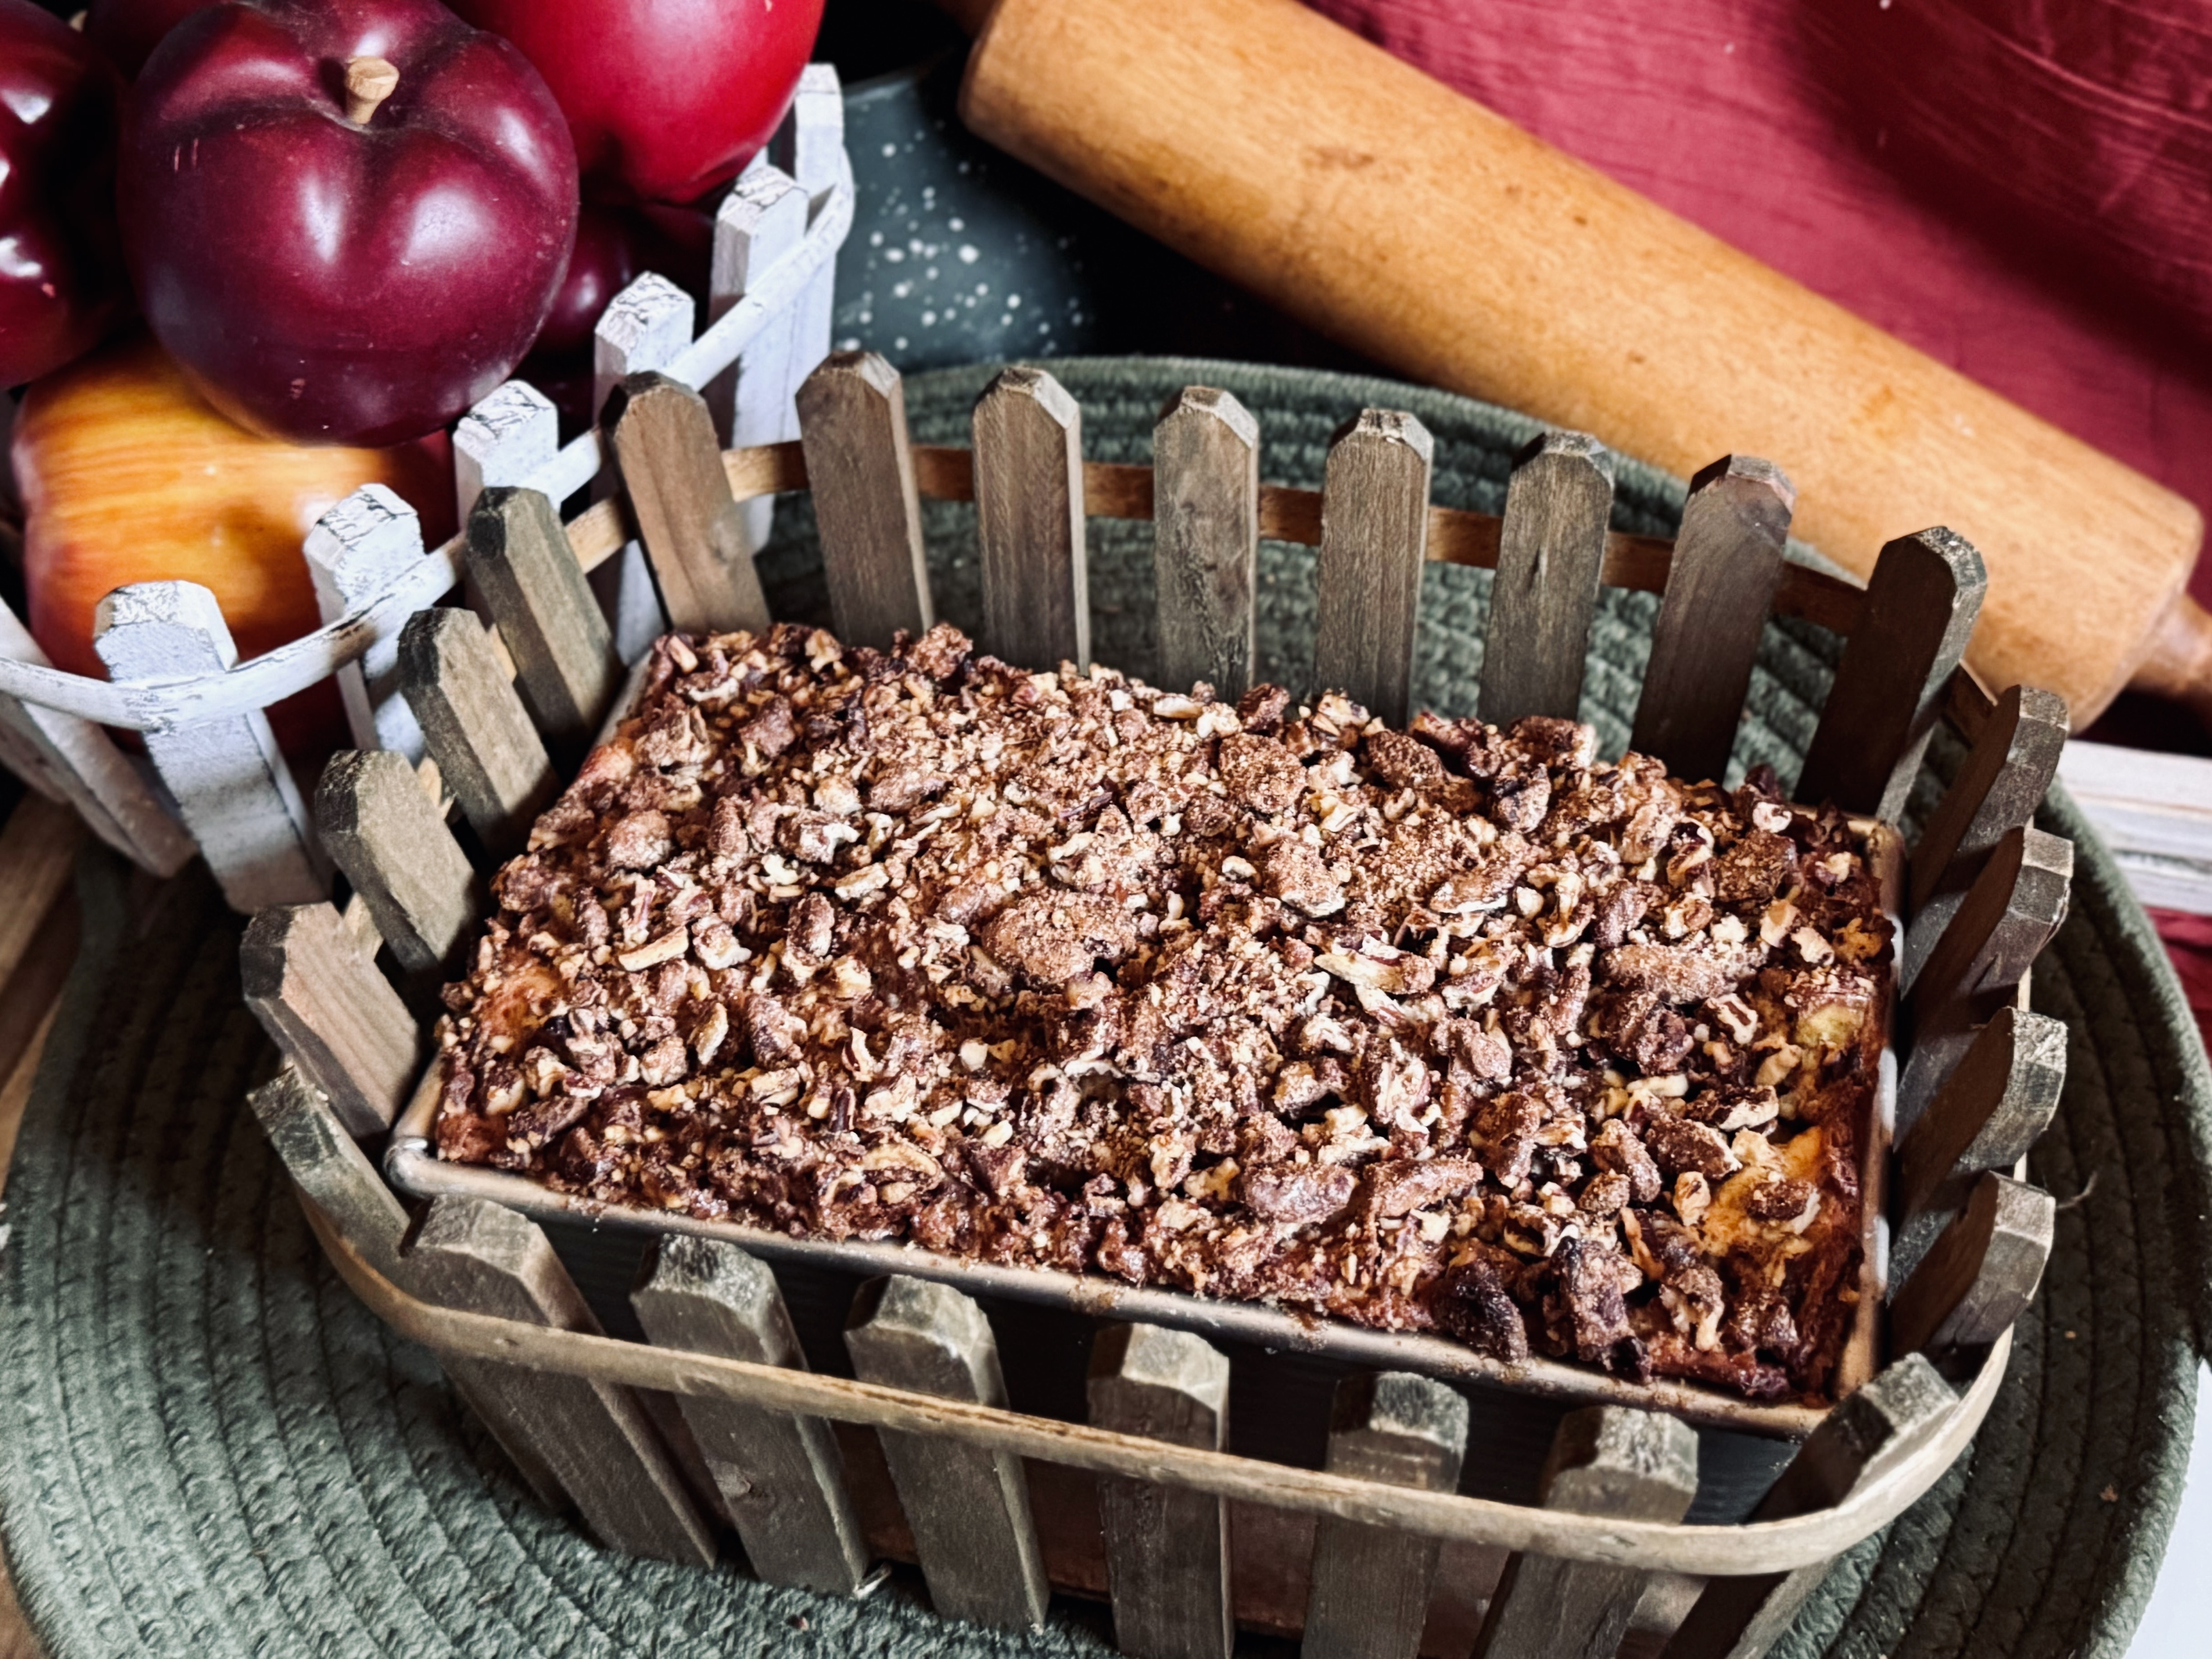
(211, 780)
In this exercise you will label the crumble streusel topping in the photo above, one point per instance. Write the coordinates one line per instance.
(1454, 1029)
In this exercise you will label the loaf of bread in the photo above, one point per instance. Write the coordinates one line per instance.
(1453, 1030)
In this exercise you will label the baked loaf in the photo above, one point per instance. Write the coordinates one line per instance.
(1454, 1029)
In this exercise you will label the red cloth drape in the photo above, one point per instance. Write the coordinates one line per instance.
(2189, 943)
(2021, 188)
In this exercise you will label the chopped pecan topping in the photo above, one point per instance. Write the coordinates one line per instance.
(1401, 1186)
(1260, 710)
(639, 842)
(1053, 937)
(1677, 1144)
(1679, 973)
(1474, 1305)
(1753, 870)
(1403, 762)
(1419, 1029)
(1260, 772)
(1780, 1200)
(1617, 1149)
(1295, 873)
(1296, 1195)
(1592, 1278)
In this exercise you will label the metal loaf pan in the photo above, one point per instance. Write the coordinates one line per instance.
(412, 1166)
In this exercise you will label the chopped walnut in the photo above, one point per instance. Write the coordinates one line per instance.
(1296, 1195)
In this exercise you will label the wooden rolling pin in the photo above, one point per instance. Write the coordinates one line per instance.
(1286, 153)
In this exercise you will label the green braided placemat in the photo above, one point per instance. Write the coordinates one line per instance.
(211, 1449)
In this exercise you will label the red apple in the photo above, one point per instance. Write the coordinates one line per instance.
(666, 98)
(60, 281)
(128, 477)
(346, 218)
(128, 30)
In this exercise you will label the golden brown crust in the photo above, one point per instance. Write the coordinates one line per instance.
(1453, 1030)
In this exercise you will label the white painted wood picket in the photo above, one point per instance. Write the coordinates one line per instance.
(210, 778)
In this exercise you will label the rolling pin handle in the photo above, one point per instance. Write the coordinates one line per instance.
(2179, 665)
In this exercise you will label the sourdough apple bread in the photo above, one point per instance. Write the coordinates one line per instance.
(1455, 1029)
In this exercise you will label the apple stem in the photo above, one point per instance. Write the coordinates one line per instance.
(369, 82)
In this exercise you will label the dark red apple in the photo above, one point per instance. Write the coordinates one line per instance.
(346, 218)
(128, 30)
(61, 283)
(666, 98)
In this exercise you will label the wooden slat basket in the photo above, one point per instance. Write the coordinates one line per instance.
(717, 1415)
(714, 1414)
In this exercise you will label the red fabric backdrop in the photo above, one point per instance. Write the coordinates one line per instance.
(2021, 188)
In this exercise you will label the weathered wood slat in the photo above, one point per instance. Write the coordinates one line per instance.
(231, 784)
(355, 553)
(340, 1190)
(317, 1150)
(1979, 1276)
(394, 847)
(45, 773)
(1550, 551)
(41, 926)
(474, 726)
(662, 439)
(1475, 1520)
(2026, 873)
(860, 467)
(1370, 1588)
(2003, 781)
(1373, 542)
(1874, 1431)
(72, 759)
(808, 147)
(1028, 522)
(594, 1438)
(1167, 1552)
(2007, 916)
(1988, 1113)
(316, 990)
(642, 330)
(505, 439)
(782, 1476)
(1720, 588)
(1608, 1461)
(1911, 631)
(968, 1509)
(565, 665)
(1205, 541)
(1455, 536)
(597, 535)
(761, 220)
